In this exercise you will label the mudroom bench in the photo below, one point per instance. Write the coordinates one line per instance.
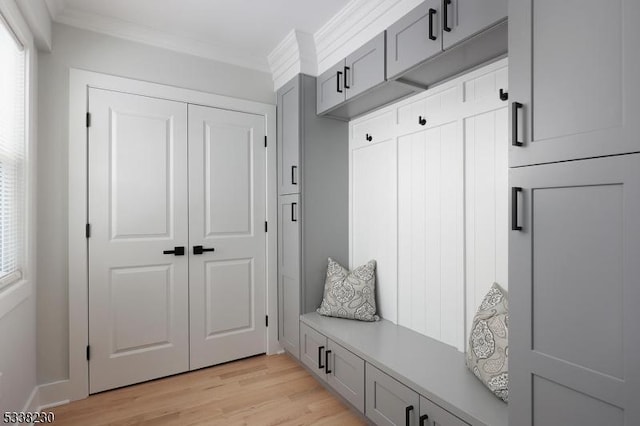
(395, 376)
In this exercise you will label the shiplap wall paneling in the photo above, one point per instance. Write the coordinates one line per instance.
(431, 233)
(374, 205)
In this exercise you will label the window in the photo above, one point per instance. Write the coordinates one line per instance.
(12, 149)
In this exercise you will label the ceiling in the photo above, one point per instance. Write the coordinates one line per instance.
(242, 32)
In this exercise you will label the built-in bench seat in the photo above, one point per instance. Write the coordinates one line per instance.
(430, 368)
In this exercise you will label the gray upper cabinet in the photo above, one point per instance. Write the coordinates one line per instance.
(574, 295)
(365, 67)
(434, 415)
(462, 19)
(330, 87)
(389, 402)
(573, 76)
(289, 295)
(414, 38)
(289, 138)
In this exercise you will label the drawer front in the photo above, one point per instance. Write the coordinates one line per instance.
(365, 68)
(313, 346)
(346, 374)
(373, 130)
(434, 415)
(389, 402)
(330, 88)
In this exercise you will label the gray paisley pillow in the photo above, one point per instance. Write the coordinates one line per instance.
(348, 294)
(488, 351)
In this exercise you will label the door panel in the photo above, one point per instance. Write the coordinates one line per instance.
(437, 416)
(313, 347)
(346, 374)
(365, 68)
(289, 273)
(387, 400)
(289, 108)
(330, 87)
(573, 292)
(468, 17)
(227, 214)
(573, 67)
(138, 296)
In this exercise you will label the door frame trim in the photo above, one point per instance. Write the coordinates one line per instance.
(79, 83)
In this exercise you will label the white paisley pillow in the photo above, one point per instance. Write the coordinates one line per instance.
(350, 294)
(488, 351)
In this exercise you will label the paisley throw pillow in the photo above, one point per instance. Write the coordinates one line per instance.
(488, 351)
(350, 294)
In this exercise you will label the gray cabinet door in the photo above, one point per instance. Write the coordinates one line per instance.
(574, 293)
(346, 374)
(389, 402)
(330, 88)
(574, 69)
(313, 350)
(415, 37)
(289, 138)
(289, 273)
(462, 19)
(365, 68)
(434, 415)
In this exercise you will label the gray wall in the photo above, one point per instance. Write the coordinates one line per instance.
(74, 48)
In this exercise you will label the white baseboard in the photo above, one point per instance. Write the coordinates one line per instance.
(53, 394)
(33, 403)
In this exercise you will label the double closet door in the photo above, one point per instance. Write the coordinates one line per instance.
(177, 246)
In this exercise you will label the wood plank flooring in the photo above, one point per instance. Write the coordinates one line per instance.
(264, 390)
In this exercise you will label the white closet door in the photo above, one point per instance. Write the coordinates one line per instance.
(227, 191)
(431, 233)
(138, 296)
(374, 209)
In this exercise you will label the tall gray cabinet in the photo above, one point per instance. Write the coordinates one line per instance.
(574, 274)
(312, 203)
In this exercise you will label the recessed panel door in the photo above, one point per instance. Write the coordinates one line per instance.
(138, 276)
(227, 238)
(289, 273)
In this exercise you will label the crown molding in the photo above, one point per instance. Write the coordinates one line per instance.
(141, 34)
(55, 7)
(37, 15)
(295, 54)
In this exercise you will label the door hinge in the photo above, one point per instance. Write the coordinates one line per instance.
(266, 320)
(88, 352)
(88, 119)
(265, 227)
(87, 230)
(265, 141)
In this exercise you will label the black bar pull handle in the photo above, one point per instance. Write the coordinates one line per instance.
(326, 362)
(423, 419)
(294, 218)
(320, 349)
(338, 75)
(432, 13)
(407, 414)
(346, 78)
(200, 249)
(514, 208)
(177, 251)
(294, 169)
(515, 106)
(421, 120)
(445, 16)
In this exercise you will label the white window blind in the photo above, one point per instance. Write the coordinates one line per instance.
(12, 148)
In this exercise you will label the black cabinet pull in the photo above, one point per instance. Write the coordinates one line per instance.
(423, 420)
(432, 13)
(515, 106)
(338, 74)
(326, 362)
(320, 348)
(293, 175)
(504, 95)
(293, 212)
(368, 137)
(200, 249)
(407, 413)
(421, 120)
(445, 16)
(514, 208)
(177, 251)
(346, 78)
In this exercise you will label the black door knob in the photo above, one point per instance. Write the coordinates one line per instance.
(200, 249)
(177, 251)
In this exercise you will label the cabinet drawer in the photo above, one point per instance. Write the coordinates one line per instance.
(434, 415)
(346, 374)
(375, 129)
(313, 347)
(389, 402)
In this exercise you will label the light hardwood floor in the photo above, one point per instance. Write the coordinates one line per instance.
(264, 390)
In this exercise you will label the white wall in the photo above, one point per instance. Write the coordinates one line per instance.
(75, 48)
